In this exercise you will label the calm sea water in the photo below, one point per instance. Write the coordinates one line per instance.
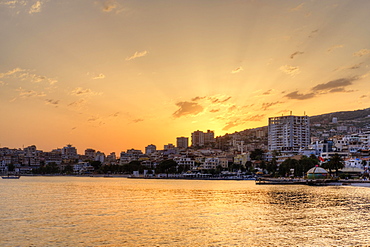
(74, 211)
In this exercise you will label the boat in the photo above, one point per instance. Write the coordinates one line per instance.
(10, 177)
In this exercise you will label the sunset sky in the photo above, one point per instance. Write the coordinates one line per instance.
(114, 75)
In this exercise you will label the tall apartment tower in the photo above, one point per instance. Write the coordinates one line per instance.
(288, 133)
(200, 138)
(182, 142)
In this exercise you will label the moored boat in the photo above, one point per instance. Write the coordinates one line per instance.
(10, 177)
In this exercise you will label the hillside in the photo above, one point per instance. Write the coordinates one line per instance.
(343, 116)
(322, 126)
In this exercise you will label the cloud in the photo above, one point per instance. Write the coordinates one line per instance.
(35, 8)
(111, 6)
(290, 70)
(237, 70)
(339, 83)
(214, 110)
(299, 96)
(356, 66)
(137, 120)
(313, 33)
(334, 86)
(11, 72)
(230, 125)
(198, 98)
(23, 93)
(51, 102)
(266, 106)
(24, 75)
(84, 92)
(187, 108)
(255, 118)
(137, 55)
(268, 92)
(296, 53)
(299, 7)
(115, 114)
(100, 76)
(361, 53)
(215, 100)
(78, 104)
(334, 47)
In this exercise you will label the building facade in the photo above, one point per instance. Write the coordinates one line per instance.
(288, 133)
(182, 142)
(200, 138)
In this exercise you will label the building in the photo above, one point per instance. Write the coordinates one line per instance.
(200, 138)
(150, 149)
(288, 133)
(69, 153)
(182, 142)
(90, 153)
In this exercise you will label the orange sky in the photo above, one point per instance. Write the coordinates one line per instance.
(114, 75)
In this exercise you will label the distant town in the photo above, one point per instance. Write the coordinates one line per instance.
(288, 147)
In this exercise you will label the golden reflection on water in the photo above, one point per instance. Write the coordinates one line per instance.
(72, 211)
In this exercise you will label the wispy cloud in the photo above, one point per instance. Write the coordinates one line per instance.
(296, 53)
(111, 6)
(334, 47)
(51, 102)
(137, 120)
(268, 92)
(313, 33)
(24, 93)
(361, 53)
(100, 76)
(290, 70)
(78, 104)
(266, 105)
(137, 55)
(27, 75)
(35, 8)
(240, 121)
(296, 8)
(237, 70)
(84, 92)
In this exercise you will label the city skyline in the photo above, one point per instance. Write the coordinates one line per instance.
(115, 75)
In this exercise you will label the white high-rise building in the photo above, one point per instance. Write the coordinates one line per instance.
(288, 133)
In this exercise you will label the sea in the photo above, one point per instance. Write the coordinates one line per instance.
(98, 211)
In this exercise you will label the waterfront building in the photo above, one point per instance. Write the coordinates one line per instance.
(99, 156)
(69, 153)
(150, 149)
(182, 142)
(288, 133)
(169, 146)
(90, 153)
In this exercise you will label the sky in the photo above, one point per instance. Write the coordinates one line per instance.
(114, 75)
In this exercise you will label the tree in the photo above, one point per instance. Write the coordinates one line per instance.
(257, 154)
(167, 166)
(271, 166)
(68, 169)
(334, 163)
(96, 164)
